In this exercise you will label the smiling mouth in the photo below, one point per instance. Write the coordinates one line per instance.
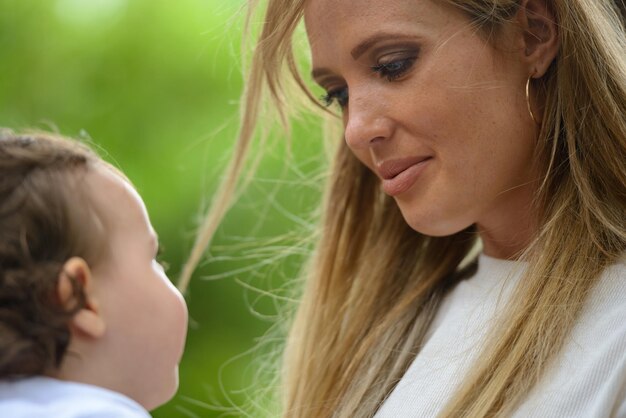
(392, 168)
(399, 175)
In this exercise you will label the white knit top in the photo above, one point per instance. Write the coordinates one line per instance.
(587, 380)
(45, 397)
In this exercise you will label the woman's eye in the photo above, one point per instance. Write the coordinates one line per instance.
(338, 95)
(394, 69)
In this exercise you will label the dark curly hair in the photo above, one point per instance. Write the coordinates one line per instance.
(45, 219)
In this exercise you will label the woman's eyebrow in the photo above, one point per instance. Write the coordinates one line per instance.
(372, 40)
(318, 74)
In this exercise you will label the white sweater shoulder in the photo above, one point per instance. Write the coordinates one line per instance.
(588, 379)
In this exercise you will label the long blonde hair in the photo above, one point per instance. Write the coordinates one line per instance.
(373, 284)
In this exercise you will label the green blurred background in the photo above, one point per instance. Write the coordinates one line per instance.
(155, 85)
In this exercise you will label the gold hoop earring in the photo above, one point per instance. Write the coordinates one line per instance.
(530, 110)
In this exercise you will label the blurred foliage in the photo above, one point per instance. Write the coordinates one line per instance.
(154, 84)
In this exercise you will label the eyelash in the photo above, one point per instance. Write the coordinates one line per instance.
(164, 265)
(394, 69)
(339, 95)
(390, 70)
(159, 260)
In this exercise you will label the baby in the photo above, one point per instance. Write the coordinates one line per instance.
(90, 325)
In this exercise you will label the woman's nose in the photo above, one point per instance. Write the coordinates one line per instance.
(365, 122)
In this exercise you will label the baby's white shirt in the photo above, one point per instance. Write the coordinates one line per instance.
(39, 397)
(587, 380)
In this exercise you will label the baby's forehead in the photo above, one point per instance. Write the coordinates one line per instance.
(113, 196)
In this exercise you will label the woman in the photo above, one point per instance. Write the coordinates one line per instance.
(494, 121)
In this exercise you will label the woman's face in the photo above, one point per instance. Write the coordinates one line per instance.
(431, 107)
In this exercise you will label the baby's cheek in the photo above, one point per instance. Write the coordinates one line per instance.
(180, 314)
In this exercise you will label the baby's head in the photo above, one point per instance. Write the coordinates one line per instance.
(82, 297)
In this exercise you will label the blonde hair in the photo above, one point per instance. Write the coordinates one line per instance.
(373, 284)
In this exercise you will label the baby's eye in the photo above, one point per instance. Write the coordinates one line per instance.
(394, 69)
(338, 95)
(164, 265)
(159, 260)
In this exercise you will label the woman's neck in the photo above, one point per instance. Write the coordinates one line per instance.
(510, 229)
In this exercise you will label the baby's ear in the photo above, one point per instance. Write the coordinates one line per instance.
(87, 322)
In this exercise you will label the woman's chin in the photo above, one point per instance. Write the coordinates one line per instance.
(436, 226)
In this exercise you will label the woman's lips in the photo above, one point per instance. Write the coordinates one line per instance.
(399, 175)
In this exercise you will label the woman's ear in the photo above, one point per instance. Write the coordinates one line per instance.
(87, 321)
(540, 35)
